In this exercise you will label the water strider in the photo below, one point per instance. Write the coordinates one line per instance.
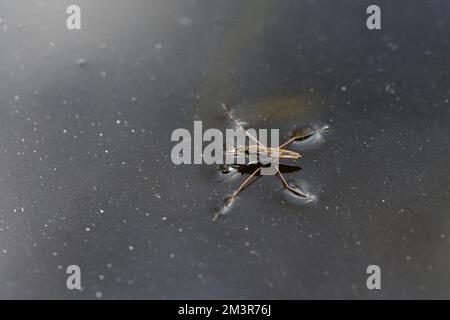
(271, 156)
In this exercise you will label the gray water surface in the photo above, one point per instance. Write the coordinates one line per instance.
(86, 176)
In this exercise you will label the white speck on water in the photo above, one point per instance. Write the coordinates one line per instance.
(98, 294)
(172, 255)
(5, 251)
(392, 46)
(55, 253)
(88, 229)
(158, 46)
(390, 88)
(103, 74)
(102, 211)
(101, 277)
(131, 248)
(109, 265)
(343, 88)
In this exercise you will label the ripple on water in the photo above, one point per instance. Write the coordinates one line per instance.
(224, 209)
(313, 140)
(303, 186)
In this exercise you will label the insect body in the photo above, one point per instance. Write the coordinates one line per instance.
(258, 150)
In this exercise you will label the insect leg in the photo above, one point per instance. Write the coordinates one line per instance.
(287, 186)
(302, 136)
(243, 185)
(233, 119)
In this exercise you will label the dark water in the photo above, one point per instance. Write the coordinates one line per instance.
(85, 170)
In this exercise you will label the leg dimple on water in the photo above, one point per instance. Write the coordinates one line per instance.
(303, 187)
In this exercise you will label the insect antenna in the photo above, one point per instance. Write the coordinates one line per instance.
(229, 114)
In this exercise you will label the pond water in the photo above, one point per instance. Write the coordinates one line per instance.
(86, 176)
